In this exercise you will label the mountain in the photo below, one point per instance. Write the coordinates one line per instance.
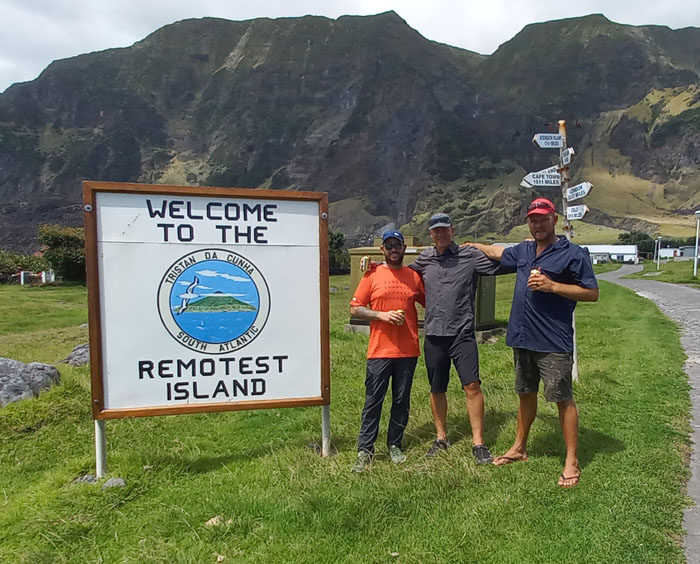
(391, 125)
(217, 303)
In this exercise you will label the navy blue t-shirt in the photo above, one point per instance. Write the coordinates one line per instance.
(542, 321)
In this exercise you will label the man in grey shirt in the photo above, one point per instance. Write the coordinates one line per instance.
(450, 275)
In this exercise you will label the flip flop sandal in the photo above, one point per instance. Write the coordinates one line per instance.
(509, 460)
(564, 478)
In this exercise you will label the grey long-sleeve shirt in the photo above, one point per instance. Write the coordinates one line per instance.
(450, 288)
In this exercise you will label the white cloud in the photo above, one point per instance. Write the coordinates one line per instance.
(208, 273)
(216, 274)
(235, 278)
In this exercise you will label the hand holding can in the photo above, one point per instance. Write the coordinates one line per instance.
(532, 280)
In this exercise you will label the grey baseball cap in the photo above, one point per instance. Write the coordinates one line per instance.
(439, 220)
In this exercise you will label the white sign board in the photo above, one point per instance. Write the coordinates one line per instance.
(547, 177)
(578, 191)
(548, 140)
(576, 212)
(566, 156)
(206, 299)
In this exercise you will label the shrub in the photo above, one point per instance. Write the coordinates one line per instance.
(11, 263)
(65, 250)
(338, 256)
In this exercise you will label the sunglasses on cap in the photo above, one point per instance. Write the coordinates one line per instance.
(540, 205)
(392, 246)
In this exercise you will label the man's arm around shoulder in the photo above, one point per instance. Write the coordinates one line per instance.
(494, 252)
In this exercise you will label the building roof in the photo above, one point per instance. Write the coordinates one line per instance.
(612, 249)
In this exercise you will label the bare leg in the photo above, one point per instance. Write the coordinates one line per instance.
(475, 409)
(568, 419)
(526, 415)
(438, 403)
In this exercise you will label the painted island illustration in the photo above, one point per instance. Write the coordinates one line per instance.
(214, 301)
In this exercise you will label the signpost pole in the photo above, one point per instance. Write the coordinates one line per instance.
(567, 231)
(697, 232)
(325, 431)
(100, 448)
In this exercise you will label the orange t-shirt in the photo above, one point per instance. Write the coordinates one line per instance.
(385, 289)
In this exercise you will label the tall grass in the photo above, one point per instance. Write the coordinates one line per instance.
(279, 502)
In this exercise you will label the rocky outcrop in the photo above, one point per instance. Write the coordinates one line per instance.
(22, 381)
(79, 356)
(363, 108)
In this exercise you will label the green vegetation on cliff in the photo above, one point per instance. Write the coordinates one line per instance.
(216, 303)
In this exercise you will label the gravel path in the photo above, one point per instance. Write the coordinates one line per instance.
(682, 304)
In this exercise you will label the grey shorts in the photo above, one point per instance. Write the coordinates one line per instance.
(554, 369)
(439, 351)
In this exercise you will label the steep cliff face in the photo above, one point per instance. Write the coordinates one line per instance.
(391, 125)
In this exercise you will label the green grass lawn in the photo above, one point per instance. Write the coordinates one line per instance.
(606, 267)
(677, 272)
(279, 502)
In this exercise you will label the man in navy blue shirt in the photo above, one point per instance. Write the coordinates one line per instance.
(552, 275)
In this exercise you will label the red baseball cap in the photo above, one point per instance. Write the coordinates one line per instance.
(540, 206)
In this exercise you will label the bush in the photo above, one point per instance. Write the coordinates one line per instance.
(11, 263)
(338, 256)
(65, 250)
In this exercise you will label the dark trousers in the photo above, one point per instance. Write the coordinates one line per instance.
(379, 371)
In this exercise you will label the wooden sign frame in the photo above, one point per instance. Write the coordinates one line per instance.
(90, 191)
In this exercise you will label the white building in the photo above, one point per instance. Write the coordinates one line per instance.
(669, 253)
(617, 253)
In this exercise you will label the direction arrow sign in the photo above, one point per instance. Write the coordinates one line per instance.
(578, 191)
(547, 177)
(566, 156)
(576, 212)
(548, 140)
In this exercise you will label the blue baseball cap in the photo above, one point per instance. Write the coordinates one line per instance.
(392, 234)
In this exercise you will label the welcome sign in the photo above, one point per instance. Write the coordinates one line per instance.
(206, 299)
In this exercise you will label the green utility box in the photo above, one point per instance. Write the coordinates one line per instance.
(485, 314)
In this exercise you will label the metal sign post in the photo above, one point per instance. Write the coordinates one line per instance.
(325, 431)
(697, 233)
(100, 448)
(568, 231)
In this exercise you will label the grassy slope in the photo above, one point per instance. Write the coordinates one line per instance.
(281, 503)
(585, 234)
(677, 272)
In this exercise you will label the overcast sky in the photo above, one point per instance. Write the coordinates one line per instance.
(35, 32)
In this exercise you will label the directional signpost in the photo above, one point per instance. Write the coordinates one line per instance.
(578, 191)
(576, 212)
(566, 156)
(547, 177)
(549, 140)
(558, 175)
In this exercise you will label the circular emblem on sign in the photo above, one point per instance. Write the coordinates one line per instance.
(213, 301)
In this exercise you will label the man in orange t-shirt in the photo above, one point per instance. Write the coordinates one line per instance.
(387, 297)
